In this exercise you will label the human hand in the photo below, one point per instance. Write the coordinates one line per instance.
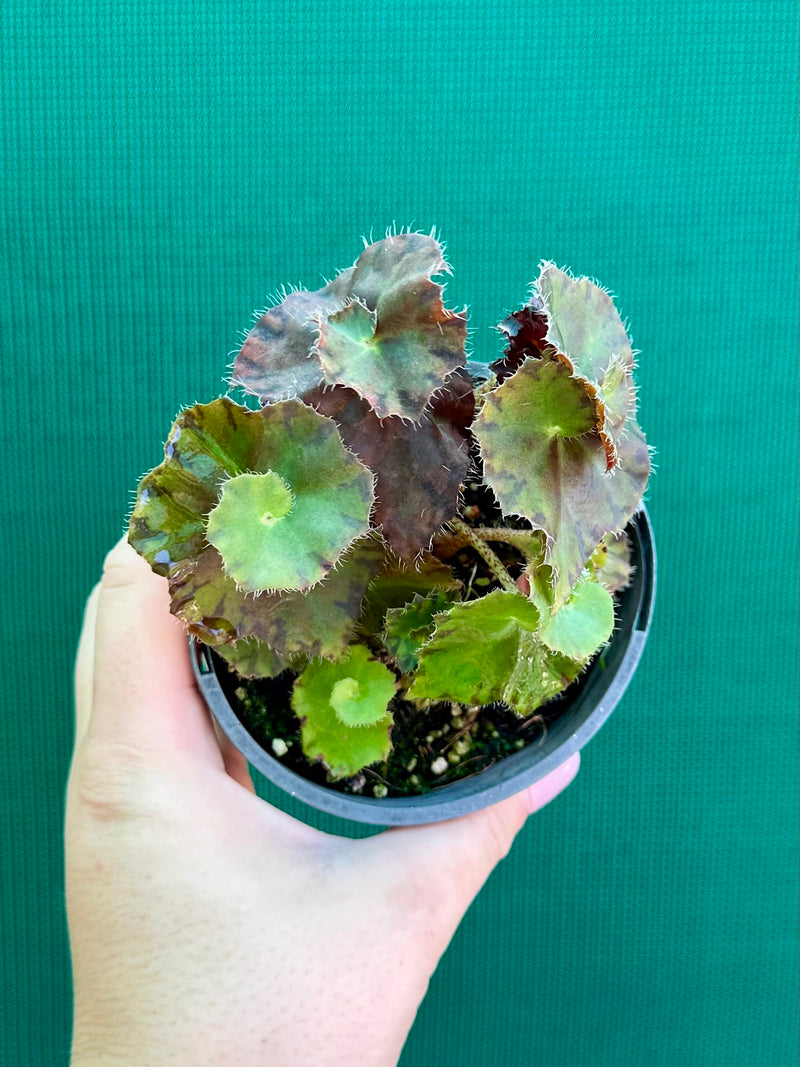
(207, 927)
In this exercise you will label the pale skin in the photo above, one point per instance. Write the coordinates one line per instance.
(209, 928)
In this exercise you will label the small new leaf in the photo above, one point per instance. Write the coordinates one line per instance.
(611, 562)
(397, 584)
(409, 627)
(583, 624)
(343, 708)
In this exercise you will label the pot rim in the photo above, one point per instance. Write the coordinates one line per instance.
(606, 681)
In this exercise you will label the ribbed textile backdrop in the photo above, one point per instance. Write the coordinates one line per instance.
(165, 166)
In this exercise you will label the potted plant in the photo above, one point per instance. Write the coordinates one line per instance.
(415, 583)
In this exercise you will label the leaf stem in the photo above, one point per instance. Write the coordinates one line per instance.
(507, 535)
(489, 557)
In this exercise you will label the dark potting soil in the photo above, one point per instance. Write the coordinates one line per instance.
(431, 747)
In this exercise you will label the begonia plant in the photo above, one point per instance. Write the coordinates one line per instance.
(387, 527)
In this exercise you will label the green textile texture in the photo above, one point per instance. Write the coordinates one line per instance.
(166, 166)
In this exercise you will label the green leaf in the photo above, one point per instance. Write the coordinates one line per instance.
(538, 674)
(275, 491)
(419, 466)
(285, 526)
(474, 649)
(582, 322)
(540, 587)
(343, 708)
(241, 527)
(361, 687)
(487, 650)
(583, 624)
(545, 415)
(408, 628)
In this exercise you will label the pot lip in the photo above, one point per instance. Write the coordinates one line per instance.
(506, 777)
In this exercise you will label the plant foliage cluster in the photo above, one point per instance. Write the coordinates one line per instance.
(320, 532)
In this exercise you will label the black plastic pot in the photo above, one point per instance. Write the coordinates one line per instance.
(586, 706)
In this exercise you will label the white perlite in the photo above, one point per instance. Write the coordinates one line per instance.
(279, 747)
(439, 766)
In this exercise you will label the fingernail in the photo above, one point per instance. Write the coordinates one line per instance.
(548, 788)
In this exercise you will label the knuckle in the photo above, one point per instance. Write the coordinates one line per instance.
(109, 780)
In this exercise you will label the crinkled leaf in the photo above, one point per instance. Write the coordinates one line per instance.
(454, 403)
(582, 322)
(474, 649)
(396, 362)
(397, 584)
(357, 687)
(581, 625)
(223, 444)
(529, 543)
(487, 650)
(584, 325)
(380, 327)
(276, 360)
(394, 343)
(168, 522)
(408, 628)
(418, 466)
(539, 587)
(396, 260)
(318, 622)
(344, 712)
(543, 462)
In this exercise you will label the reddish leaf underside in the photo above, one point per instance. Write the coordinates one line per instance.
(275, 360)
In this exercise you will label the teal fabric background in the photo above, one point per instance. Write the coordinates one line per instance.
(164, 166)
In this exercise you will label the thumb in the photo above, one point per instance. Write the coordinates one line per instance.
(135, 682)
